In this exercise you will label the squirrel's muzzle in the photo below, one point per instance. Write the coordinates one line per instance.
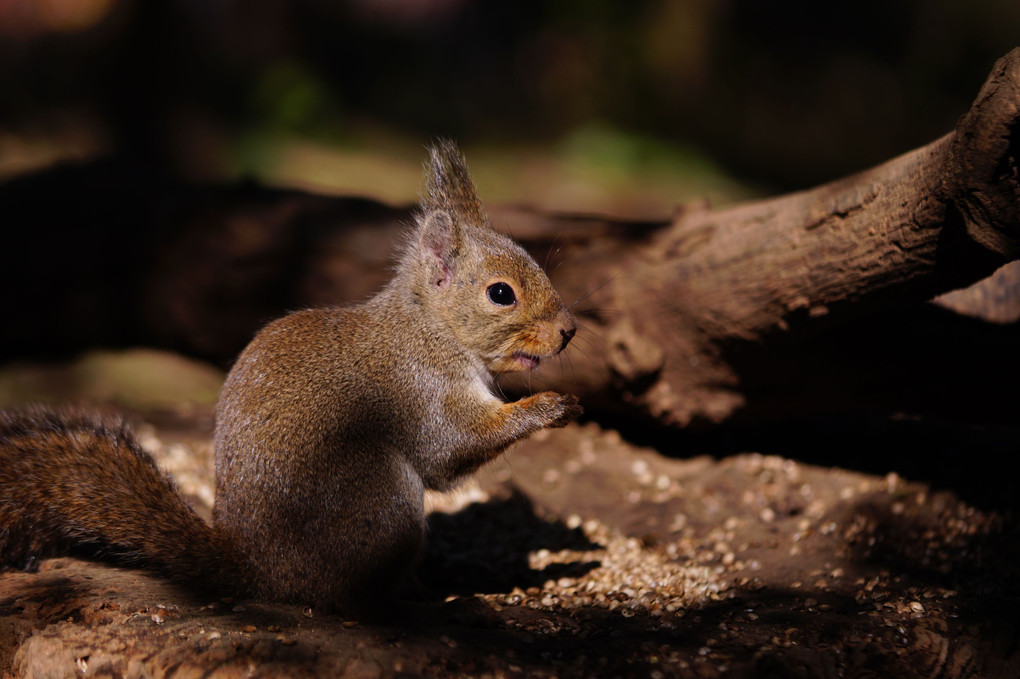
(567, 334)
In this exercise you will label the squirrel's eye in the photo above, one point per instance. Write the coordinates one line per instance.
(501, 294)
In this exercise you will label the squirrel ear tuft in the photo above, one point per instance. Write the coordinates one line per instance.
(448, 186)
(440, 237)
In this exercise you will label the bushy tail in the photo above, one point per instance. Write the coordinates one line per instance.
(72, 481)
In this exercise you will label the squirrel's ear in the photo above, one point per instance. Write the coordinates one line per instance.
(439, 237)
(448, 186)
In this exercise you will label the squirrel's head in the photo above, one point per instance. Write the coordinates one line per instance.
(484, 287)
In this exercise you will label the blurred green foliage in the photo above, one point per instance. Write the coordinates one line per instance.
(143, 379)
(782, 94)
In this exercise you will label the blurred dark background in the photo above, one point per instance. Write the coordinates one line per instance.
(593, 104)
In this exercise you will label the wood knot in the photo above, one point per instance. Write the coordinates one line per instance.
(631, 355)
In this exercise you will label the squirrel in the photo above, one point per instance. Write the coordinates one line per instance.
(329, 428)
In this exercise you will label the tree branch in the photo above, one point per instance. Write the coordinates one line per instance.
(678, 308)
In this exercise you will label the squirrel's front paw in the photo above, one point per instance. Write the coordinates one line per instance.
(556, 410)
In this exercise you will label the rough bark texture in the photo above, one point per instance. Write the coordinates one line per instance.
(691, 295)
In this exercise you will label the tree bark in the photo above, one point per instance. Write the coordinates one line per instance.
(678, 306)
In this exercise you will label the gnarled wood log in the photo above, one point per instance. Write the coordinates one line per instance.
(675, 306)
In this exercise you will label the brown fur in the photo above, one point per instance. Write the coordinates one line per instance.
(330, 426)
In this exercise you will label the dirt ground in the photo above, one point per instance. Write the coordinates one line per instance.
(600, 559)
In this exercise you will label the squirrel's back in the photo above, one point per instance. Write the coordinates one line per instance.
(312, 485)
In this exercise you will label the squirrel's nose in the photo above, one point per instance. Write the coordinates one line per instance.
(567, 335)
